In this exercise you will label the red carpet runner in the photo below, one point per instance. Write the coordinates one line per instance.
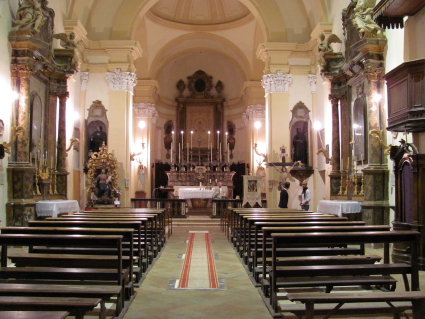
(198, 268)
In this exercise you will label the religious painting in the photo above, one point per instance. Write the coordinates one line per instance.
(200, 120)
(359, 122)
(252, 190)
(36, 126)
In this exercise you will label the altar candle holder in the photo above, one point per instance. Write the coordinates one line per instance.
(341, 188)
(347, 179)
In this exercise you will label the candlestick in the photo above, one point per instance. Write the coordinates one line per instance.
(209, 135)
(218, 138)
(228, 155)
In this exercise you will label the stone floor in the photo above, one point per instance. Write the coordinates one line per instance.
(240, 300)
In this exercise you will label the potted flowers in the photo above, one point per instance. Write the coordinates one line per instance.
(116, 193)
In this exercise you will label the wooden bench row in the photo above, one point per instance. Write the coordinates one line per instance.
(56, 265)
(283, 263)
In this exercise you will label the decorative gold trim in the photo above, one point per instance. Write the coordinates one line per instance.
(325, 154)
(15, 131)
(72, 140)
(378, 134)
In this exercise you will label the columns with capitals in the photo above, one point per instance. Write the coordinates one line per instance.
(256, 134)
(147, 113)
(276, 87)
(121, 86)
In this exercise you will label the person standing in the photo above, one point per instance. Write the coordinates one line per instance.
(305, 197)
(283, 202)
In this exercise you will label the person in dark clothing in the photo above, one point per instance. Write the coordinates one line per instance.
(283, 202)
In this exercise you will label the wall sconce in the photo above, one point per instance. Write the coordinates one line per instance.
(318, 126)
(139, 158)
(15, 131)
(263, 155)
(73, 141)
(378, 134)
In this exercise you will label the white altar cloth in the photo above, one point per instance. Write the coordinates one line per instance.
(53, 208)
(339, 207)
(195, 193)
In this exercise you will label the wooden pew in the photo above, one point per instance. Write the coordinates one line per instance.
(34, 314)
(248, 220)
(72, 260)
(114, 276)
(256, 249)
(371, 303)
(155, 230)
(152, 238)
(77, 307)
(320, 254)
(139, 226)
(103, 292)
(297, 240)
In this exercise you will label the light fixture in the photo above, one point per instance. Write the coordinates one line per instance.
(139, 155)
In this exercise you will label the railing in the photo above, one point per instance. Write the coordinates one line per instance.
(176, 208)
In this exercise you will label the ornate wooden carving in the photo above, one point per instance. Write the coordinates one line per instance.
(406, 97)
(39, 74)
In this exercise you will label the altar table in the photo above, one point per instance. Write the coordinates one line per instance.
(339, 207)
(53, 208)
(195, 193)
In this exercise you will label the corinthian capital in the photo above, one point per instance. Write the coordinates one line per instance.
(121, 81)
(84, 78)
(145, 110)
(278, 82)
(254, 112)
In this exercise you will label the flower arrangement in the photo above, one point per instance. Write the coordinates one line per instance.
(116, 192)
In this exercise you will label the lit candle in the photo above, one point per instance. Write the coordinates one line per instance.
(209, 134)
(211, 152)
(220, 153)
(179, 153)
(218, 138)
(181, 132)
(187, 157)
(191, 137)
(171, 151)
(228, 153)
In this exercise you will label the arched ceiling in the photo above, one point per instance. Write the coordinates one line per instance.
(200, 12)
(281, 21)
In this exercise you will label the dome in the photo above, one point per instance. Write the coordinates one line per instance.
(200, 12)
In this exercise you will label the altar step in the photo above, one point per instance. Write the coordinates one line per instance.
(196, 221)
